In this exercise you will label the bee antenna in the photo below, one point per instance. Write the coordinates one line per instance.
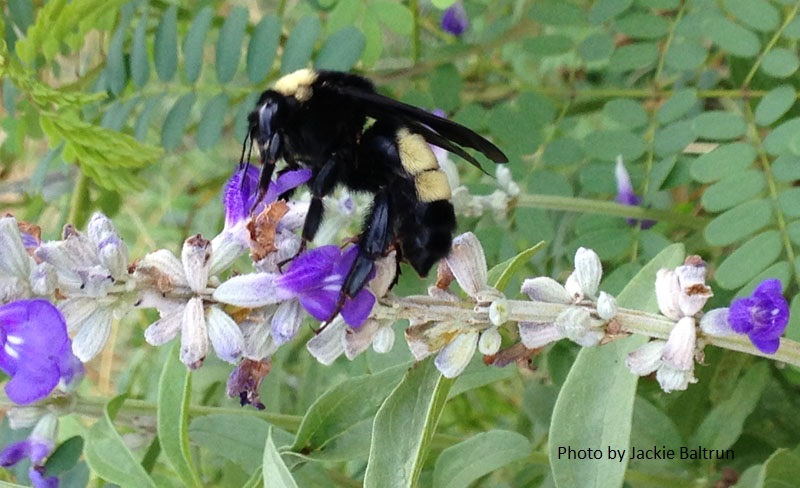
(244, 146)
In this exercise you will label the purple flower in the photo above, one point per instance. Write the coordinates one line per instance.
(36, 352)
(314, 278)
(242, 188)
(37, 447)
(625, 194)
(762, 316)
(455, 20)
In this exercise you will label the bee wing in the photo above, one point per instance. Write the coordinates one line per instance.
(436, 130)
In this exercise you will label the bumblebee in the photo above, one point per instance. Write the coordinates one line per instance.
(337, 125)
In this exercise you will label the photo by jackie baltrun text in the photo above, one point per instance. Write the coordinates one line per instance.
(654, 453)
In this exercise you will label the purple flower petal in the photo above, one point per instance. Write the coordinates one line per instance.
(239, 194)
(356, 310)
(625, 194)
(285, 182)
(763, 316)
(309, 269)
(38, 479)
(455, 20)
(36, 351)
(14, 453)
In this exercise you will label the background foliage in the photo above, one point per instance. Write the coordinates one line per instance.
(138, 108)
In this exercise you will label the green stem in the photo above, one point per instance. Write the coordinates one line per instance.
(78, 205)
(775, 37)
(585, 205)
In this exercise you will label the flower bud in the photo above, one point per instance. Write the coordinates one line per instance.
(196, 258)
(606, 306)
(489, 341)
(589, 270)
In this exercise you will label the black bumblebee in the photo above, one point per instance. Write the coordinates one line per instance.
(337, 125)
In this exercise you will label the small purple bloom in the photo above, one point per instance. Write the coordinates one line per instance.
(762, 316)
(242, 189)
(316, 277)
(36, 352)
(625, 194)
(37, 447)
(455, 20)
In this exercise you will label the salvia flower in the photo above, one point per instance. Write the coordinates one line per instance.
(92, 273)
(37, 447)
(625, 194)
(238, 199)
(574, 323)
(36, 353)
(672, 360)
(455, 20)
(314, 278)
(455, 343)
(763, 316)
(20, 276)
(187, 280)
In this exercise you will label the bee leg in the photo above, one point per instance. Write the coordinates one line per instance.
(372, 244)
(322, 183)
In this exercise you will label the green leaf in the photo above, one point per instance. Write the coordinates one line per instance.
(599, 392)
(789, 200)
(749, 259)
(116, 74)
(719, 125)
(65, 457)
(459, 465)
(678, 105)
(140, 65)
(344, 14)
(775, 104)
(165, 46)
(733, 190)
(229, 44)
(603, 10)
(781, 270)
(556, 12)
(783, 138)
(732, 37)
(786, 168)
(374, 36)
(596, 47)
(298, 48)
(211, 122)
(758, 14)
(725, 160)
(547, 45)
(653, 427)
(673, 138)
(344, 406)
(606, 145)
(633, 57)
(442, 4)
(445, 87)
(396, 16)
(626, 112)
(502, 273)
(274, 470)
(739, 222)
(239, 438)
(262, 48)
(725, 422)
(685, 55)
(639, 25)
(194, 44)
(780, 63)
(108, 456)
(174, 391)
(143, 122)
(404, 426)
(341, 50)
(781, 469)
(562, 152)
(175, 123)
